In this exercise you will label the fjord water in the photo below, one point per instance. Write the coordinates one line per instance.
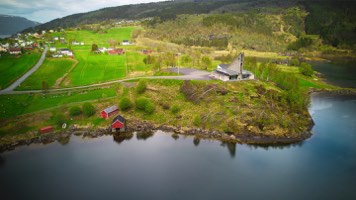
(341, 72)
(322, 167)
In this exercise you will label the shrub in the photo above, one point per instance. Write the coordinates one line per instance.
(197, 121)
(145, 105)
(306, 69)
(175, 109)
(59, 119)
(75, 111)
(125, 104)
(88, 109)
(150, 108)
(295, 62)
(141, 87)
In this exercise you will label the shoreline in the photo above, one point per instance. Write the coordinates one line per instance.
(139, 126)
(63, 137)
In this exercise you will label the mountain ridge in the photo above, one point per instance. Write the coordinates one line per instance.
(11, 24)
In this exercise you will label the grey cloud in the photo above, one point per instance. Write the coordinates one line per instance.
(46, 10)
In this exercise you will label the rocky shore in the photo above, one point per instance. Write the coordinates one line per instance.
(63, 137)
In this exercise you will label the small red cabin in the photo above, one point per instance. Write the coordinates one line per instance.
(118, 124)
(107, 112)
(46, 129)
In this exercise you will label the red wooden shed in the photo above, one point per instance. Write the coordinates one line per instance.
(116, 51)
(107, 112)
(46, 129)
(118, 124)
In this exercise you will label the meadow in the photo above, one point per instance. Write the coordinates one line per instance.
(12, 67)
(15, 105)
(51, 71)
(96, 68)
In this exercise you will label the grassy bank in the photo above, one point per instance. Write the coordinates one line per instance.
(236, 107)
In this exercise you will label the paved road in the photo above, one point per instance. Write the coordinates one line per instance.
(14, 85)
(190, 74)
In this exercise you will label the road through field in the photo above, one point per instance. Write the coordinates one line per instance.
(25, 76)
(188, 74)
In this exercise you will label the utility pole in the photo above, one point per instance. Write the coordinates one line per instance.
(178, 54)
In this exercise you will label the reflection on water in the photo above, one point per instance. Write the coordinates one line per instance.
(340, 73)
(120, 137)
(231, 147)
(144, 135)
(157, 166)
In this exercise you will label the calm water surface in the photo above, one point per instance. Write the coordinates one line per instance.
(323, 167)
(340, 73)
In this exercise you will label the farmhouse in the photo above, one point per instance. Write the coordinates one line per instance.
(77, 43)
(52, 49)
(126, 42)
(118, 124)
(28, 48)
(15, 51)
(66, 52)
(107, 112)
(116, 51)
(234, 71)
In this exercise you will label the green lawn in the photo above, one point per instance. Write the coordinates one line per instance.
(12, 67)
(93, 68)
(90, 37)
(97, 68)
(14, 105)
(51, 70)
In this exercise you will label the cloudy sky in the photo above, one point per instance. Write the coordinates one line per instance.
(46, 10)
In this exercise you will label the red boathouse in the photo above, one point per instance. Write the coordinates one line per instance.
(107, 112)
(118, 124)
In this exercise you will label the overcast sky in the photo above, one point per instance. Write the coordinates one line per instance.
(47, 10)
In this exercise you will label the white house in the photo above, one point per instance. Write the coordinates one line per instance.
(102, 49)
(52, 49)
(233, 71)
(56, 38)
(57, 55)
(66, 52)
(126, 42)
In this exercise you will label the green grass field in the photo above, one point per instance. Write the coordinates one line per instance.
(11, 67)
(50, 71)
(14, 105)
(97, 68)
(90, 37)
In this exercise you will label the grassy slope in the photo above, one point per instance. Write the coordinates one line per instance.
(241, 106)
(50, 71)
(12, 67)
(15, 105)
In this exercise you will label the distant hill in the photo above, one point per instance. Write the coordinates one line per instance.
(13, 24)
(164, 10)
(334, 20)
